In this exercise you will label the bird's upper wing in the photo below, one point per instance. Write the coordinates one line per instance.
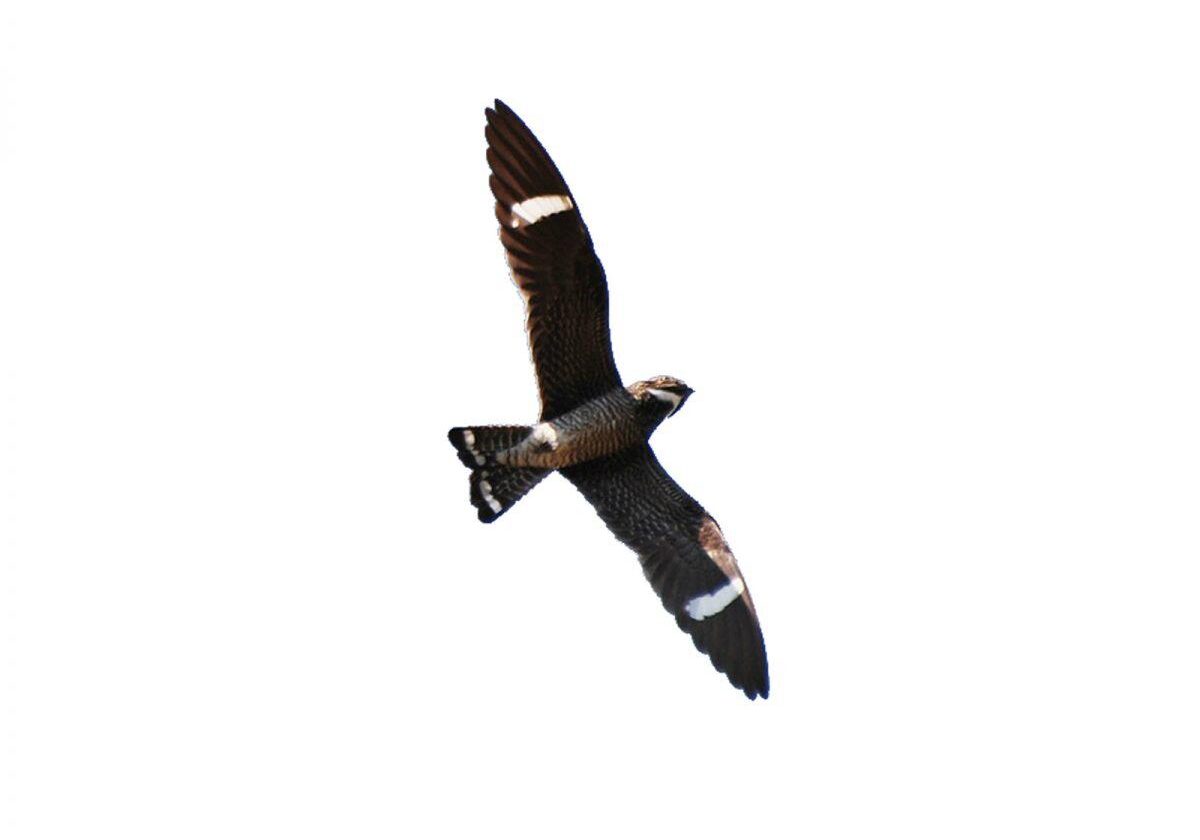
(684, 556)
(552, 261)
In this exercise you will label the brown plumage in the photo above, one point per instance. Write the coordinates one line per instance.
(593, 430)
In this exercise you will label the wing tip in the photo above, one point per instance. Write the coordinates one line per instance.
(754, 683)
(499, 112)
(756, 689)
(518, 159)
(736, 650)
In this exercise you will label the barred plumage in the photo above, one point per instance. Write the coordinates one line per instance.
(593, 430)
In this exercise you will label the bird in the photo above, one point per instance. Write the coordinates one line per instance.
(593, 429)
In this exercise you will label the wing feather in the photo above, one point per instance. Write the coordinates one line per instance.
(555, 266)
(684, 557)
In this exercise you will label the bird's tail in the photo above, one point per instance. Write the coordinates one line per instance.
(494, 487)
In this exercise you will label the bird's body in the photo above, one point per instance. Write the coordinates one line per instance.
(594, 430)
(602, 426)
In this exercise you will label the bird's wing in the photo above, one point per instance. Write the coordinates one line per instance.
(684, 556)
(553, 264)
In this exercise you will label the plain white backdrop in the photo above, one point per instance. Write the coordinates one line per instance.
(931, 268)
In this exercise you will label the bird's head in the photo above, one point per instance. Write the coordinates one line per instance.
(662, 396)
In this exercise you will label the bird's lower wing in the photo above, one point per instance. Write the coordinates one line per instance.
(684, 556)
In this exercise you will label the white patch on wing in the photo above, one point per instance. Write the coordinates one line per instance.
(547, 434)
(533, 210)
(706, 606)
(714, 545)
(667, 397)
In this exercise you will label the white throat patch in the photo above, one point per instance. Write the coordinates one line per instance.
(667, 397)
(533, 210)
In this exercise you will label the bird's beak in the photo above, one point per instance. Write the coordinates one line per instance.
(687, 392)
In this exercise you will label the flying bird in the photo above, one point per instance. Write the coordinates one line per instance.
(593, 429)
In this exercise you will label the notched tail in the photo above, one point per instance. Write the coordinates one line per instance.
(477, 445)
(494, 487)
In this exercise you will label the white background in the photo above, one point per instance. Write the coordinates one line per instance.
(932, 269)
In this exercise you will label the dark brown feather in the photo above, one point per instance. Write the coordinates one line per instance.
(645, 509)
(555, 267)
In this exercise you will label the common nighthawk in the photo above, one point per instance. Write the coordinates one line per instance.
(594, 430)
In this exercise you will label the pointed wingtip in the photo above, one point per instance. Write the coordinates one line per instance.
(496, 110)
(758, 692)
(754, 685)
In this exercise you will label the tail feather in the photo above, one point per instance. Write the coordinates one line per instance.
(477, 444)
(494, 487)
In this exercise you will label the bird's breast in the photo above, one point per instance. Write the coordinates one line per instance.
(598, 428)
